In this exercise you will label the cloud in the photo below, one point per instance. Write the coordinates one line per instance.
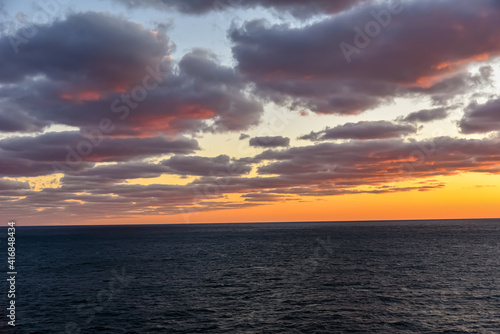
(363, 130)
(77, 71)
(364, 162)
(306, 67)
(11, 190)
(109, 174)
(6, 185)
(481, 118)
(66, 50)
(295, 7)
(67, 151)
(425, 115)
(354, 167)
(92, 67)
(218, 166)
(16, 120)
(269, 141)
(324, 169)
(105, 175)
(260, 197)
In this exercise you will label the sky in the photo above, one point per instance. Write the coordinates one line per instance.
(201, 111)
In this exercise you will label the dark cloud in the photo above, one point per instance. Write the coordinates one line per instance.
(107, 174)
(277, 141)
(260, 197)
(91, 68)
(127, 101)
(79, 70)
(67, 151)
(425, 115)
(354, 167)
(481, 118)
(442, 93)
(92, 50)
(16, 120)
(12, 185)
(307, 66)
(311, 191)
(5, 14)
(298, 8)
(87, 200)
(218, 166)
(360, 162)
(325, 169)
(363, 130)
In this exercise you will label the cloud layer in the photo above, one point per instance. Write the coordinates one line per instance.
(309, 67)
(276, 141)
(58, 78)
(481, 118)
(295, 7)
(426, 115)
(98, 120)
(363, 130)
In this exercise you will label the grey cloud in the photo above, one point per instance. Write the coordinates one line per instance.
(31, 156)
(277, 141)
(298, 8)
(305, 66)
(66, 50)
(12, 185)
(481, 118)
(108, 174)
(425, 115)
(363, 130)
(203, 166)
(59, 79)
(325, 169)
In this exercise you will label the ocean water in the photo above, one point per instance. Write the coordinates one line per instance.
(370, 277)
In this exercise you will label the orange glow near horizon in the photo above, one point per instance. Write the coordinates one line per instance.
(465, 196)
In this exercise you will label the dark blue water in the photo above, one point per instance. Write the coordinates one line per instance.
(392, 277)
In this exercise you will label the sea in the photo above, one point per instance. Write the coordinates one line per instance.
(329, 277)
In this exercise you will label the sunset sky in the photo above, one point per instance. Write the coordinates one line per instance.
(178, 111)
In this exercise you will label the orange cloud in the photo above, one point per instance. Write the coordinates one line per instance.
(82, 96)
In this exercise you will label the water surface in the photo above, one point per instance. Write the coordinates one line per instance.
(371, 277)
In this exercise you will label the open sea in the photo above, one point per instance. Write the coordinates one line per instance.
(356, 277)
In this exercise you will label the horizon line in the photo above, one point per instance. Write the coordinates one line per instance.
(277, 222)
